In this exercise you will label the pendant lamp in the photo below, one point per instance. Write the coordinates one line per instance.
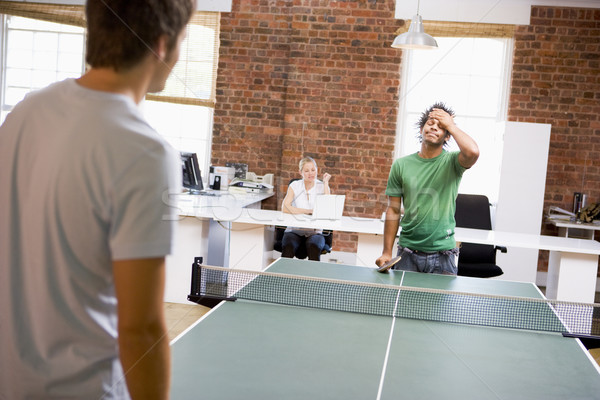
(415, 38)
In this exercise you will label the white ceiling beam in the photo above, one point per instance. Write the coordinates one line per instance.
(516, 12)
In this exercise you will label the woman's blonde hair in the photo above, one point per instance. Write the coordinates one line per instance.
(306, 160)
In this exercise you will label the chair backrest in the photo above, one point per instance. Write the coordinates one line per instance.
(473, 211)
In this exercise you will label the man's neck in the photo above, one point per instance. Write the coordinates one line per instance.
(132, 83)
(430, 151)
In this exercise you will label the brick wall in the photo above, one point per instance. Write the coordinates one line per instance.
(311, 78)
(252, 80)
(319, 78)
(556, 80)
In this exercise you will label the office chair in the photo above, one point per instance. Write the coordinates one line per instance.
(301, 252)
(477, 260)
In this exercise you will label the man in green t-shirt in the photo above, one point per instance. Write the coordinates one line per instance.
(425, 185)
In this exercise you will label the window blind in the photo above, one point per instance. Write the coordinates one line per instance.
(193, 79)
(463, 29)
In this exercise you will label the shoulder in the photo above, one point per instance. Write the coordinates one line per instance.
(407, 159)
(449, 161)
(296, 185)
(445, 157)
(128, 146)
(451, 154)
(402, 162)
(41, 97)
(452, 158)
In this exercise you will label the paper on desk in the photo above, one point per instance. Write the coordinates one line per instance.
(554, 211)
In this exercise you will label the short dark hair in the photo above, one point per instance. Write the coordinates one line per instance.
(121, 33)
(425, 116)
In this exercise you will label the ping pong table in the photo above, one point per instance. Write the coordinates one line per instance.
(255, 350)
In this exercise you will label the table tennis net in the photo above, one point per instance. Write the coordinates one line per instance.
(568, 318)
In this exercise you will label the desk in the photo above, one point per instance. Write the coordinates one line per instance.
(262, 351)
(572, 267)
(574, 229)
(201, 231)
(225, 206)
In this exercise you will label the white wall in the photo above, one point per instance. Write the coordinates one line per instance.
(481, 11)
(521, 194)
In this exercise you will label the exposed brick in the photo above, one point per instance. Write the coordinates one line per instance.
(319, 78)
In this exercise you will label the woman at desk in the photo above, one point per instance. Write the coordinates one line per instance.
(300, 199)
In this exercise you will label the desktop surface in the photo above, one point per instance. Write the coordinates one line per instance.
(203, 192)
(223, 206)
(256, 350)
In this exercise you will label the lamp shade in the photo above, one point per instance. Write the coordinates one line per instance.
(415, 38)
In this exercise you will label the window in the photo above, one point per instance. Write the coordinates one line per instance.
(471, 76)
(186, 127)
(34, 53)
(183, 111)
(37, 53)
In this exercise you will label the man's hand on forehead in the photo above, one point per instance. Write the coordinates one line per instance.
(442, 117)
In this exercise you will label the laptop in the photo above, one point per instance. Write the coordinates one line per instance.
(328, 206)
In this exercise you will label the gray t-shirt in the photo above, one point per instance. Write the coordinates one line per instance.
(83, 182)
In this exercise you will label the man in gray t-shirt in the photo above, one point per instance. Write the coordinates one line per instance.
(85, 230)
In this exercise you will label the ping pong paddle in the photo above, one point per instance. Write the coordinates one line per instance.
(385, 267)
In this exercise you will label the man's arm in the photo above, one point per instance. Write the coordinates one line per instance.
(469, 151)
(143, 340)
(390, 229)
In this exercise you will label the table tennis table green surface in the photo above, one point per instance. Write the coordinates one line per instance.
(254, 350)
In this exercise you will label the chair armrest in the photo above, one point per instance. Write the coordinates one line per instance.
(502, 249)
(328, 234)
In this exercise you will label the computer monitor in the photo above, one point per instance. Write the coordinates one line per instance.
(192, 180)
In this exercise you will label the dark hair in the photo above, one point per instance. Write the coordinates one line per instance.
(425, 116)
(121, 33)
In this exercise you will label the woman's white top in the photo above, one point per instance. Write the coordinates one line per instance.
(305, 199)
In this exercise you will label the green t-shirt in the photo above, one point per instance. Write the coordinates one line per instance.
(428, 187)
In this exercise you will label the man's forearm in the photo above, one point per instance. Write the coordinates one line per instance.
(146, 360)
(390, 231)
